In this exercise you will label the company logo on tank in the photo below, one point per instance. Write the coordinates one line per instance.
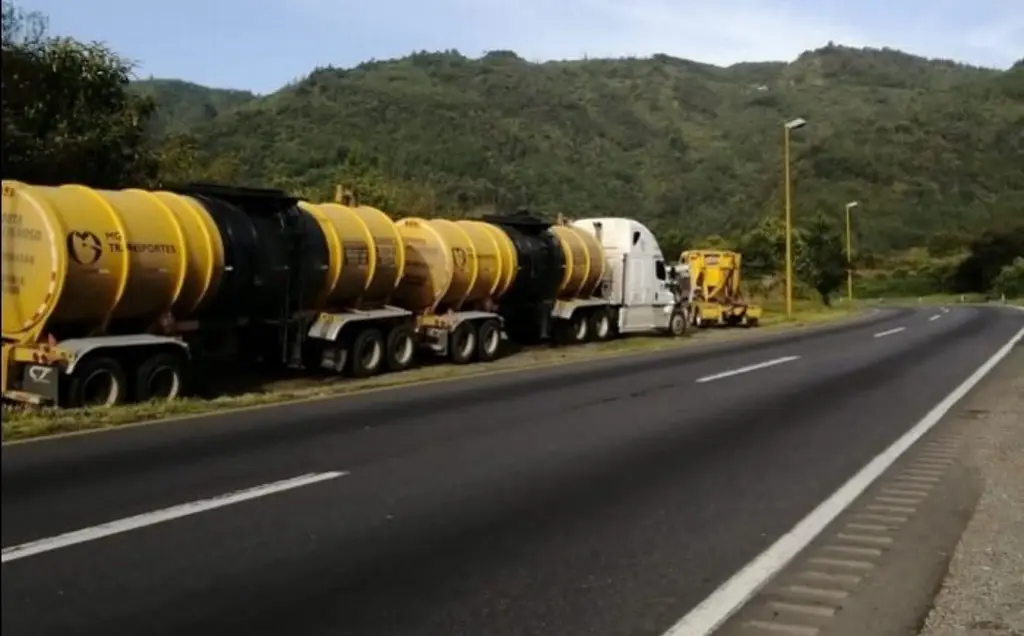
(85, 247)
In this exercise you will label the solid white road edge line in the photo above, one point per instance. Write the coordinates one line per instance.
(889, 332)
(748, 369)
(31, 548)
(727, 599)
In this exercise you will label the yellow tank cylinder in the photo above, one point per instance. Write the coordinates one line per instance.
(584, 262)
(489, 258)
(596, 259)
(574, 258)
(442, 265)
(509, 258)
(74, 254)
(387, 256)
(464, 262)
(204, 253)
(366, 257)
(429, 266)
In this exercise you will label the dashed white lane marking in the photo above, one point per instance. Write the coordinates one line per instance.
(889, 332)
(159, 516)
(935, 317)
(731, 595)
(748, 369)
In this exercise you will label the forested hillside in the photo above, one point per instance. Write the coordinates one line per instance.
(934, 151)
(182, 105)
(927, 146)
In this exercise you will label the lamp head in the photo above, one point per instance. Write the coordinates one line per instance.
(793, 124)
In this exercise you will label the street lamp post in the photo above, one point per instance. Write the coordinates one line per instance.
(787, 128)
(849, 252)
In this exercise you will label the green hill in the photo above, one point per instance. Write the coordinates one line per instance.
(927, 146)
(183, 105)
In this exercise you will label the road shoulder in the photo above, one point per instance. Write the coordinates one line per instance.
(878, 567)
(983, 592)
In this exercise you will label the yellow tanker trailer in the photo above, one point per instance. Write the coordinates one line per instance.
(357, 330)
(401, 286)
(458, 270)
(93, 281)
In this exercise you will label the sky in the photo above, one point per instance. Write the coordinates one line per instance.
(261, 45)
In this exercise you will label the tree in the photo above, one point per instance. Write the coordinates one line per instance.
(990, 253)
(180, 161)
(821, 260)
(66, 109)
(1010, 280)
(764, 248)
(946, 243)
(673, 242)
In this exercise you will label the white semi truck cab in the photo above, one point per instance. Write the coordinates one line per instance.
(638, 292)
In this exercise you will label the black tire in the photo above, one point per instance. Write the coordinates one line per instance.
(462, 343)
(366, 357)
(488, 341)
(677, 324)
(97, 381)
(601, 327)
(161, 377)
(579, 328)
(401, 348)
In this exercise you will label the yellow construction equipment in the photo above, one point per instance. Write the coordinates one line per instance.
(710, 279)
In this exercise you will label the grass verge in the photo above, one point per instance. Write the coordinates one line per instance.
(944, 299)
(21, 423)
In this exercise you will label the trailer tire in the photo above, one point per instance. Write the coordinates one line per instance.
(677, 324)
(401, 348)
(601, 325)
(97, 381)
(488, 341)
(462, 343)
(579, 327)
(367, 353)
(161, 377)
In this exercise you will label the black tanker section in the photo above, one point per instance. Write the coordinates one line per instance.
(526, 307)
(274, 256)
(275, 261)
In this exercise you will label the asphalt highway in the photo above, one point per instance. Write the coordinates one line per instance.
(604, 498)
